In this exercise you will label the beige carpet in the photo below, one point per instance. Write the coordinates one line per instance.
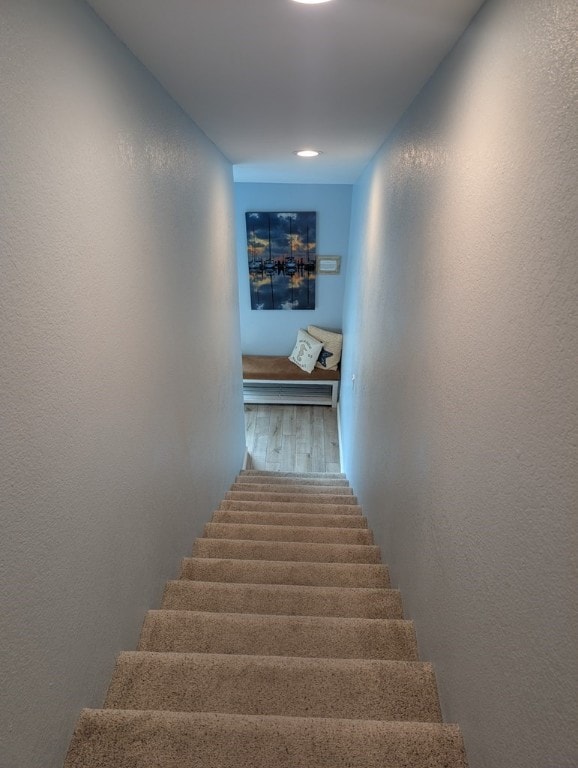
(280, 646)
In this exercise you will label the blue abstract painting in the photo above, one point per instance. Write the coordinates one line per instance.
(281, 249)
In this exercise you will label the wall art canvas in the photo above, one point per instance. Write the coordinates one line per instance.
(281, 249)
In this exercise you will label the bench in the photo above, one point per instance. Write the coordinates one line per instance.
(271, 379)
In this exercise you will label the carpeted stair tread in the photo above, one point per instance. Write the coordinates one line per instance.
(305, 475)
(264, 635)
(285, 572)
(111, 738)
(296, 551)
(301, 507)
(275, 685)
(326, 490)
(282, 599)
(281, 644)
(301, 480)
(289, 518)
(288, 533)
(306, 498)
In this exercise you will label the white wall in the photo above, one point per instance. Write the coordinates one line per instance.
(274, 332)
(461, 328)
(120, 375)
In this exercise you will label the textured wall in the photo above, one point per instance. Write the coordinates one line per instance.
(120, 374)
(275, 332)
(461, 328)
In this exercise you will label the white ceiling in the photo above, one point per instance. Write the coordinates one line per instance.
(263, 78)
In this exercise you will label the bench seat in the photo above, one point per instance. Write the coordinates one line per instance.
(273, 379)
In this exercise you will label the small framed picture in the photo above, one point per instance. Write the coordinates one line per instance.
(328, 265)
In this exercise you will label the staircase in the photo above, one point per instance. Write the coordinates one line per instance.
(280, 646)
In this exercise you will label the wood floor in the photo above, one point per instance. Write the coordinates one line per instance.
(292, 438)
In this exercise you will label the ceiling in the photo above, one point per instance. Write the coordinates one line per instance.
(263, 78)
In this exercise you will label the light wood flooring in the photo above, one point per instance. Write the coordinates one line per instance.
(292, 438)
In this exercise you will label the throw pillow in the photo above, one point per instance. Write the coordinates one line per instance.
(306, 351)
(331, 355)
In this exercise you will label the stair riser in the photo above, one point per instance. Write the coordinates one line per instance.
(302, 507)
(291, 687)
(125, 739)
(283, 600)
(301, 574)
(305, 498)
(286, 550)
(300, 490)
(182, 632)
(287, 533)
(278, 518)
(270, 480)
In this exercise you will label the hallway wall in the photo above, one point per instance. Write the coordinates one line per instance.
(460, 432)
(120, 395)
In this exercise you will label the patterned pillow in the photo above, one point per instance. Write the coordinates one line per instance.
(331, 355)
(306, 351)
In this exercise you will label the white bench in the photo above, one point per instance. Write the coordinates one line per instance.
(271, 379)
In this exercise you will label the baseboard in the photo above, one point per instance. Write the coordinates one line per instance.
(339, 437)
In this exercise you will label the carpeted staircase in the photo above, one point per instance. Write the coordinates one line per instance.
(280, 646)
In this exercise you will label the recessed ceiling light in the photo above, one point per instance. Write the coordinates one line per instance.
(311, 2)
(307, 152)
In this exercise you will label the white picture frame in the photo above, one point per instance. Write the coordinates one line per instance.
(328, 265)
